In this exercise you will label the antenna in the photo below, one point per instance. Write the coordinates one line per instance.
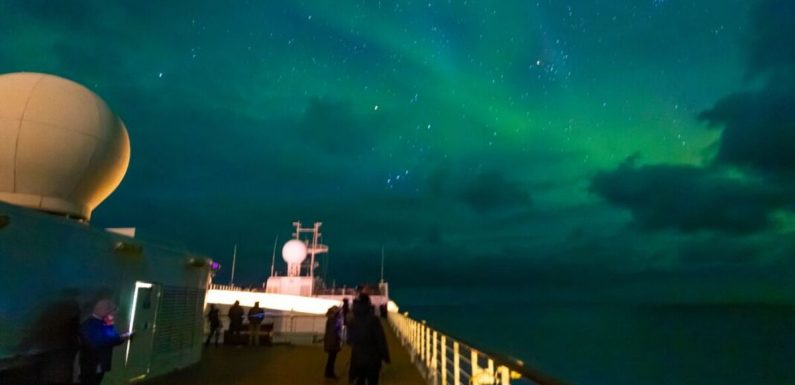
(382, 263)
(273, 257)
(234, 259)
(325, 262)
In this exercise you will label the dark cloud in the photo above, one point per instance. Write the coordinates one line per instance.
(487, 190)
(759, 126)
(772, 45)
(689, 198)
(492, 190)
(758, 138)
(758, 130)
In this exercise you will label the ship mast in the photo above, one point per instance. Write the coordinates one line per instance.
(234, 259)
(382, 263)
(314, 248)
(273, 256)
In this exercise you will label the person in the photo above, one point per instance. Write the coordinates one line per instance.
(368, 342)
(55, 334)
(215, 325)
(235, 320)
(98, 336)
(346, 310)
(255, 317)
(332, 339)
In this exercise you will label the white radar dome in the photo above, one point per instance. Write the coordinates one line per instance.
(294, 251)
(62, 150)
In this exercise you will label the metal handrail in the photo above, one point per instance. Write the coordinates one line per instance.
(431, 350)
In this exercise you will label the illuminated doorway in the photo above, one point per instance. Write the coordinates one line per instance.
(143, 315)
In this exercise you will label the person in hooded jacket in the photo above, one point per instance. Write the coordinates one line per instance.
(98, 337)
(368, 343)
(332, 339)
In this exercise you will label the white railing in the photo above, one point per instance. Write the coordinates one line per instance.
(218, 286)
(444, 360)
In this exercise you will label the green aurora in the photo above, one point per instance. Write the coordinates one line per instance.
(582, 151)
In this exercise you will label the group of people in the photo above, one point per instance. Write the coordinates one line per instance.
(356, 325)
(362, 330)
(256, 315)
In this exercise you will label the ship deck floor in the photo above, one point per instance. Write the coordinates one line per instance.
(286, 364)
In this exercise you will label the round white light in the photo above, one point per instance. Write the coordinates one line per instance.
(294, 251)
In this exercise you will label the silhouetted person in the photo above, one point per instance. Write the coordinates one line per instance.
(235, 319)
(98, 336)
(331, 339)
(368, 342)
(55, 334)
(255, 317)
(346, 310)
(215, 325)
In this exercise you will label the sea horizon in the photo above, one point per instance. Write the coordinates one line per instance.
(623, 343)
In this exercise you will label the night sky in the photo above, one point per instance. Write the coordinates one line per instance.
(566, 151)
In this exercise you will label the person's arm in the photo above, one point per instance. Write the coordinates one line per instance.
(97, 335)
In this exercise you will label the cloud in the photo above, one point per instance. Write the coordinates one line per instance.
(772, 49)
(486, 190)
(689, 198)
(491, 190)
(758, 130)
(759, 126)
(757, 138)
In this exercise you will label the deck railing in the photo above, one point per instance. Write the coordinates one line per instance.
(445, 360)
(218, 286)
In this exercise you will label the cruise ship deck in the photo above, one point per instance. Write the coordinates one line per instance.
(286, 364)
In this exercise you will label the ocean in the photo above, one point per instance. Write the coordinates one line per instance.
(592, 344)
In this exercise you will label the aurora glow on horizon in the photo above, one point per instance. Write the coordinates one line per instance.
(589, 150)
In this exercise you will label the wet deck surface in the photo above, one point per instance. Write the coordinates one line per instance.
(285, 364)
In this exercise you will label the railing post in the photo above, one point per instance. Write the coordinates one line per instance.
(413, 339)
(434, 356)
(417, 345)
(422, 343)
(505, 375)
(473, 358)
(443, 344)
(428, 347)
(456, 364)
(490, 366)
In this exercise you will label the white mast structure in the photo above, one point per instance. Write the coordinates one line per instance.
(313, 248)
(294, 252)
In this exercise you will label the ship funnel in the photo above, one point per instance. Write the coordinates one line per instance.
(62, 150)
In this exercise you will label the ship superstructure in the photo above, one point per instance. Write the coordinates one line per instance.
(62, 152)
